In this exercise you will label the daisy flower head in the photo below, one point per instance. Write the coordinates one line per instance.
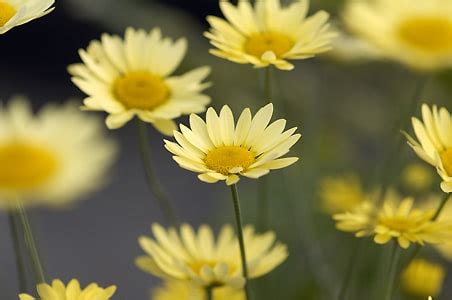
(177, 290)
(416, 33)
(199, 258)
(434, 141)
(132, 76)
(268, 33)
(397, 220)
(423, 278)
(53, 157)
(58, 291)
(220, 149)
(17, 12)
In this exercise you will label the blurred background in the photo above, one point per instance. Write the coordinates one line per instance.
(345, 112)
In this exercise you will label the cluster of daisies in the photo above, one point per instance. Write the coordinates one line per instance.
(62, 153)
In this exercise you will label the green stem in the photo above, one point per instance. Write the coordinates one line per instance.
(392, 272)
(209, 293)
(239, 224)
(268, 87)
(20, 260)
(262, 196)
(349, 272)
(155, 186)
(390, 163)
(391, 160)
(31, 245)
(440, 207)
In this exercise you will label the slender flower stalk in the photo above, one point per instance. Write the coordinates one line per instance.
(262, 201)
(239, 223)
(209, 293)
(390, 161)
(155, 186)
(392, 271)
(31, 245)
(20, 260)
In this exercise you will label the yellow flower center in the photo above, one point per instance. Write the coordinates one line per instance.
(398, 223)
(225, 158)
(7, 11)
(25, 166)
(446, 159)
(430, 34)
(260, 43)
(141, 90)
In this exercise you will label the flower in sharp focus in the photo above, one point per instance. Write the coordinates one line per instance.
(133, 77)
(397, 220)
(423, 278)
(219, 149)
(181, 290)
(17, 12)
(50, 158)
(341, 193)
(269, 34)
(73, 291)
(200, 259)
(434, 145)
(417, 33)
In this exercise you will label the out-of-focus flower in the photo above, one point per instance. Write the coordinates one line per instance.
(417, 33)
(434, 145)
(349, 48)
(269, 34)
(422, 278)
(219, 149)
(204, 261)
(17, 12)
(341, 193)
(417, 177)
(181, 290)
(445, 249)
(73, 291)
(395, 220)
(52, 158)
(132, 77)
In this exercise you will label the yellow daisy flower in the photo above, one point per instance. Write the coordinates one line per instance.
(219, 149)
(268, 34)
(132, 77)
(417, 177)
(417, 33)
(199, 258)
(341, 193)
(17, 12)
(423, 278)
(181, 290)
(54, 157)
(435, 143)
(73, 291)
(395, 220)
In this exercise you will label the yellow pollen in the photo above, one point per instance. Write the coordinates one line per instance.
(25, 166)
(260, 43)
(7, 11)
(428, 34)
(398, 223)
(141, 90)
(225, 158)
(446, 159)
